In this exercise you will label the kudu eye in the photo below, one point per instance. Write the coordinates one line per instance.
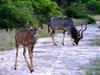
(79, 36)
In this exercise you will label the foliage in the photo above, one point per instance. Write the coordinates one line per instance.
(45, 9)
(79, 12)
(90, 19)
(17, 13)
(93, 7)
(76, 12)
(14, 14)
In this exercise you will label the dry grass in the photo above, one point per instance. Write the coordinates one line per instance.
(7, 39)
(44, 32)
(95, 42)
(92, 68)
(78, 22)
(97, 17)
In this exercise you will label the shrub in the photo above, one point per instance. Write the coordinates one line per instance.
(71, 12)
(15, 14)
(45, 9)
(90, 20)
(93, 7)
(79, 12)
(76, 11)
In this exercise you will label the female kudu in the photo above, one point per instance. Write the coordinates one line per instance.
(26, 37)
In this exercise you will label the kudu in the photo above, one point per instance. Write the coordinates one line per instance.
(26, 38)
(66, 25)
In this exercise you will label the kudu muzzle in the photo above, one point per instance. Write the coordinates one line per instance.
(80, 36)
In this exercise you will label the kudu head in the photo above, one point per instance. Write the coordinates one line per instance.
(79, 35)
(35, 29)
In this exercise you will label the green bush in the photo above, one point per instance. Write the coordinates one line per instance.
(76, 11)
(44, 9)
(79, 12)
(93, 7)
(71, 12)
(90, 20)
(16, 14)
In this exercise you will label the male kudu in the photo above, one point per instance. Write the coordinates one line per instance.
(66, 25)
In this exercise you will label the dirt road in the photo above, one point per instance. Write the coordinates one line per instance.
(54, 60)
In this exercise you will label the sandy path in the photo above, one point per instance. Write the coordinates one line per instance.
(53, 60)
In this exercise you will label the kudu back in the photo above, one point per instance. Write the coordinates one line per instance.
(26, 38)
(66, 25)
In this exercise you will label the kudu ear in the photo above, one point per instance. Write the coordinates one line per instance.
(82, 30)
(79, 36)
(40, 28)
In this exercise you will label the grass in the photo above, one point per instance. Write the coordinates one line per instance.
(97, 17)
(43, 32)
(92, 68)
(95, 42)
(6, 39)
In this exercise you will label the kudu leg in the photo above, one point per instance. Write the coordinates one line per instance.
(63, 37)
(71, 39)
(24, 54)
(31, 58)
(16, 60)
(52, 36)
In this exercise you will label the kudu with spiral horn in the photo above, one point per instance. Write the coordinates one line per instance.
(66, 25)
